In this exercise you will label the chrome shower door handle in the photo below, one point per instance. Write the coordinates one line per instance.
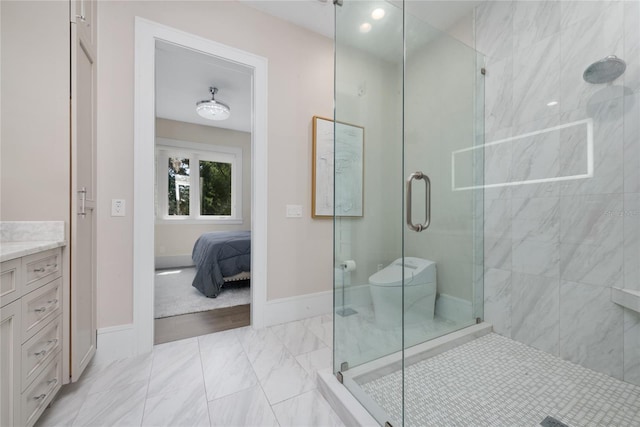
(427, 202)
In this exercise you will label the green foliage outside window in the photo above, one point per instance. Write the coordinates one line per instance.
(215, 188)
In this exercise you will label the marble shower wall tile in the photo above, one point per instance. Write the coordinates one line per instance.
(631, 124)
(536, 219)
(631, 248)
(497, 253)
(497, 300)
(598, 264)
(608, 142)
(632, 45)
(631, 346)
(591, 328)
(590, 219)
(535, 311)
(593, 32)
(494, 28)
(497, 218)
(536, 257)
(498, 100)
(534, 21)
(536, 72)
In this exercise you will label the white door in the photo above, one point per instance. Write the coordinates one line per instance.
(83, 215)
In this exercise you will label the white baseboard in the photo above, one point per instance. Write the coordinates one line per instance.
(173, 261)
(290, 309)
(453, 308)
(115, 342)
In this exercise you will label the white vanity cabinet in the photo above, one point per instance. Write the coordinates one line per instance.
(30, 335)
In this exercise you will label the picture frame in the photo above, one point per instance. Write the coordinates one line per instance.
(348, 154)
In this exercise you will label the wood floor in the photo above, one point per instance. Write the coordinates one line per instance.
(195, 324)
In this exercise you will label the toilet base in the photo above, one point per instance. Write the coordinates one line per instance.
(420, 303)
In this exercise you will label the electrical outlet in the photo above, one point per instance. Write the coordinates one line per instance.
(117, 207)
(294, 211)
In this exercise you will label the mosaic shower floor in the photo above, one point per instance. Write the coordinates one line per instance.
(495, 381)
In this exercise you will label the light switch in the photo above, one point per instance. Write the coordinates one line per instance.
(294, 211)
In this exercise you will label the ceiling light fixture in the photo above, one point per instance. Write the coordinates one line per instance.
(378, 14)
(212, 109)
(365, 27)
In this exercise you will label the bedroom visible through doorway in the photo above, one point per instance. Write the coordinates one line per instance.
(203, 176)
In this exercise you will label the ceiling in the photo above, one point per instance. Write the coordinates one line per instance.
(183, 76)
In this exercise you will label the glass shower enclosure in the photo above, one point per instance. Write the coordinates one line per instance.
(409, 259)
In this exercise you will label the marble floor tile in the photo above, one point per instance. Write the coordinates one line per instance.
(121, 373)
(65, 407)
(285, 380)
(114, 407)
(176, 366)
(315, 361)
(245, 408)
(297, 338)
(322, 326)
(180, 408)
(226, 370)
(308, 409)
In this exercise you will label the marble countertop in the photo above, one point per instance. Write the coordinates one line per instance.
(12, 250)
(21, 238)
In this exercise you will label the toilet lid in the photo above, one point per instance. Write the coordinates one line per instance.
(391, 276)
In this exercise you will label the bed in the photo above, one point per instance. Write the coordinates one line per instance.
(221, 257)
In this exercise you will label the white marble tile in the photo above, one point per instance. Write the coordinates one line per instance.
(498, 94)
(494, 28)
(535, 311)
(226, 370)
(315, 361)
(308, 409)
(608, 142)
(497, 218)
(631, 124)
(632, 346)
(116, 407)
(632, 45)
(536, 72)
(285, 380)
(599, 264)
(587, 40)
(297, 338)
(65, 407)
(540, 258)
(322, 327)
(245, 408)
(176, 366)
(536, 219)
(590, 219)
(121, 373)
(591, 328)
(497, 300)
(631, 247)
(497, 253)
(534, 21)
(263, 349)
(185, 408)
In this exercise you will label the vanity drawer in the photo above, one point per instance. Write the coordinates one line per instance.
(40, 349)
(41, 268)
(40, 393)
(10, 281)
(39, 307)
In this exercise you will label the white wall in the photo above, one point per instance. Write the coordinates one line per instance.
(178, 239)
(300, 85)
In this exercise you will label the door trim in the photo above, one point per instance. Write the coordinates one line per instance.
(146, 34)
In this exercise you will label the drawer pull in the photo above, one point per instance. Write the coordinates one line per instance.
(40, 310)
(53, 301)
(42, 396)
(40, 353)
(52, 265)
(38, 270)
(53, 341)
(53, 381)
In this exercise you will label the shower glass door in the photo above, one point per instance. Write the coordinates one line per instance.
(408, 100)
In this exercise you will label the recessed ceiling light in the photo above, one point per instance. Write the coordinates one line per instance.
(552, 103)
(365, 27)
(378, 13)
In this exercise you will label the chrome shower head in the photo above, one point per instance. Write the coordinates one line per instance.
(604, 71)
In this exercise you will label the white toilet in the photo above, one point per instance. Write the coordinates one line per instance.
(419, 292)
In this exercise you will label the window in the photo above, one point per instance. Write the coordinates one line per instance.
(198, 182)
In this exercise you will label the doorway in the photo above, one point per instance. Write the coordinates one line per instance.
(148, 36)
